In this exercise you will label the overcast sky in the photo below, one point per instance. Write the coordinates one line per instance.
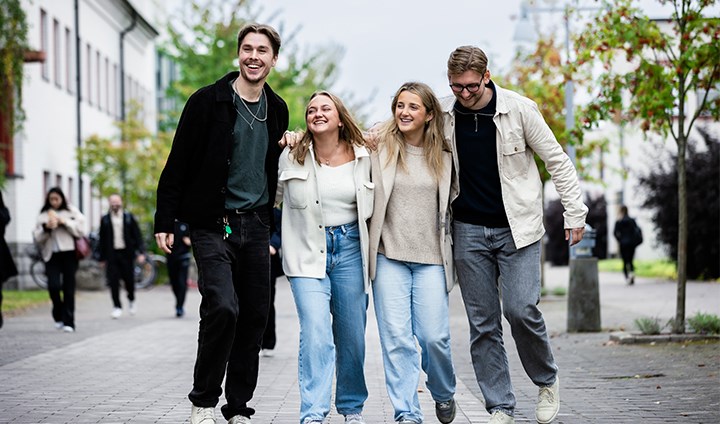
(389, 42)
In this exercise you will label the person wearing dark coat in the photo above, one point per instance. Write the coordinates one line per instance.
(626, 233)
(178, 265)
(7, 264)
(119, 245)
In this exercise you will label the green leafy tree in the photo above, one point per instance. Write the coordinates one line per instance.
(13, 45)
(129, 166)
(203, 41)
(661, 66)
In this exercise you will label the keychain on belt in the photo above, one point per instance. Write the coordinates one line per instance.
(228, 230)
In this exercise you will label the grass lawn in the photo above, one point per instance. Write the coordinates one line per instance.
(649, 268)
(15, 301)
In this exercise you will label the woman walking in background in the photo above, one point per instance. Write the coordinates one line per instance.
(7, 265)
(411, 261)
(326, 193)
(629, 236)
(58, 225)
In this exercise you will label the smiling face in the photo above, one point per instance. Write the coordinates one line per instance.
(321, 115)
(256, 57)
(410, 114)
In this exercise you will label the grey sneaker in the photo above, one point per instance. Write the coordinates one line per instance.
(354, 419)
(445, 411)
(499, 417)
(201, 415)
(548, 403)
(239, 419)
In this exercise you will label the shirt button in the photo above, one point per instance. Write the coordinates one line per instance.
(322, 251)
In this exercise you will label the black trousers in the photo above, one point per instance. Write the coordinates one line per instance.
(234, 281)
(119, 266)
(60, 271)
(627, 253)
(178, 266)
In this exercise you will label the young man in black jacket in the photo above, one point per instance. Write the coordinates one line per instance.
(119, 245)
(220, 178)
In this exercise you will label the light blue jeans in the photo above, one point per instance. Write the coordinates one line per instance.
(411, 301)
(332, 313)
(491, 269)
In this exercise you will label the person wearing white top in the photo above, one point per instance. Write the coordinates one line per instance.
(327, 196)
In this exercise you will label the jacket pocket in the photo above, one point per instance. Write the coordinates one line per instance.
(296, 188)
(367, 194)
(514, 158)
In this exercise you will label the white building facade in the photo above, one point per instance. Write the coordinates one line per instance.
(65, 103)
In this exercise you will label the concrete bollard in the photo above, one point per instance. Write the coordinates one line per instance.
(583, 311)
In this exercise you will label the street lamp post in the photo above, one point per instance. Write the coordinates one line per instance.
(524, 32)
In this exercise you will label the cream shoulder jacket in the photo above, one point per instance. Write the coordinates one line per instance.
(62, 236)
(521, 130)
(303, 238)
(383, 175)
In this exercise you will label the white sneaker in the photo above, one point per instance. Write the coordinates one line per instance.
(548, 403)
(202, 415)
(59, 325)
(354, 419)
(116, 313)
(268, 353)
(133, 308)
(239, 419)
(68, 329)
(499, 417)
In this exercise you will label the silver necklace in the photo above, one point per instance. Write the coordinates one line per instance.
(255, 117)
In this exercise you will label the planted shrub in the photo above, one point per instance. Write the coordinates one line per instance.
(704, 323)
(648, 326)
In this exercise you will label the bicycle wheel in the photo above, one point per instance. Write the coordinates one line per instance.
(37, 271)
(145, 274)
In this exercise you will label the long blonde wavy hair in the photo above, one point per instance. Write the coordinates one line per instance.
(349, 131)
(434, 143)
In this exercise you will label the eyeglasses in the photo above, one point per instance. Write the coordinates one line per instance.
(471, 88)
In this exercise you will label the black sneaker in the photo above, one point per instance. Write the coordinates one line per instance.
(445, 411)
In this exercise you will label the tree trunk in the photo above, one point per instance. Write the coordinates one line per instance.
(679, 322)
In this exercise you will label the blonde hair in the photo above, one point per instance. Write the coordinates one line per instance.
(349, 131)
(434, 143)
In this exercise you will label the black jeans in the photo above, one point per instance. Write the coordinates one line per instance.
(234, 281)
(60, 271)
(120, 265)
(178, 266)
(627, 253)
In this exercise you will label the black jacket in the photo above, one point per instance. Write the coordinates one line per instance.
(131, 234)
(193, 184)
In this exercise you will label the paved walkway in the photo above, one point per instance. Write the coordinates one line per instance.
(138, 369)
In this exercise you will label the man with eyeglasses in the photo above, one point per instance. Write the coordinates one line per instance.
(498, 227)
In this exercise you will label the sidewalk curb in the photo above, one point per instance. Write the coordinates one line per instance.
(623, 337)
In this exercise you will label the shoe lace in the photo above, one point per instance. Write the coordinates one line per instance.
(546, 395)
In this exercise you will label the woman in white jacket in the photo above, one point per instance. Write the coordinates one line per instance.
(411, 262)
(58, 225)
(326, 193)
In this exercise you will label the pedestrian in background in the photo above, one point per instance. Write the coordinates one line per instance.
(326, 194)
(178, 265)
(629, 237)
(270, 337)
(7, 264)
(219, 178)
(120, 244)
(498, 227)
(411, 262)
(58, 225)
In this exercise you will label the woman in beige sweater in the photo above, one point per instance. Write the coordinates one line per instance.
(58, 225)
(410, 252)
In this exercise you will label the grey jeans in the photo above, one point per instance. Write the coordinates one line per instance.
(492, 270)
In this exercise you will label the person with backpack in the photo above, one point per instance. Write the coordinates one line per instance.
(629, 236)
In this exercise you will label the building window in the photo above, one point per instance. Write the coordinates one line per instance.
(107, 85)
(44, 43)
(89, 74)
(70, 188)
(98, 82)
(115, 92)
(69, 61)
(57, 55)
(46, 181)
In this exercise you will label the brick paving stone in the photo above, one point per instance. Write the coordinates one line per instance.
(138, 369)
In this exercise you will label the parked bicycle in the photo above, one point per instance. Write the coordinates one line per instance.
(146, 274)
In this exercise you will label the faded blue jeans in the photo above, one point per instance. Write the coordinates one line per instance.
(411, 301)
(491, 269)
(332, 312)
